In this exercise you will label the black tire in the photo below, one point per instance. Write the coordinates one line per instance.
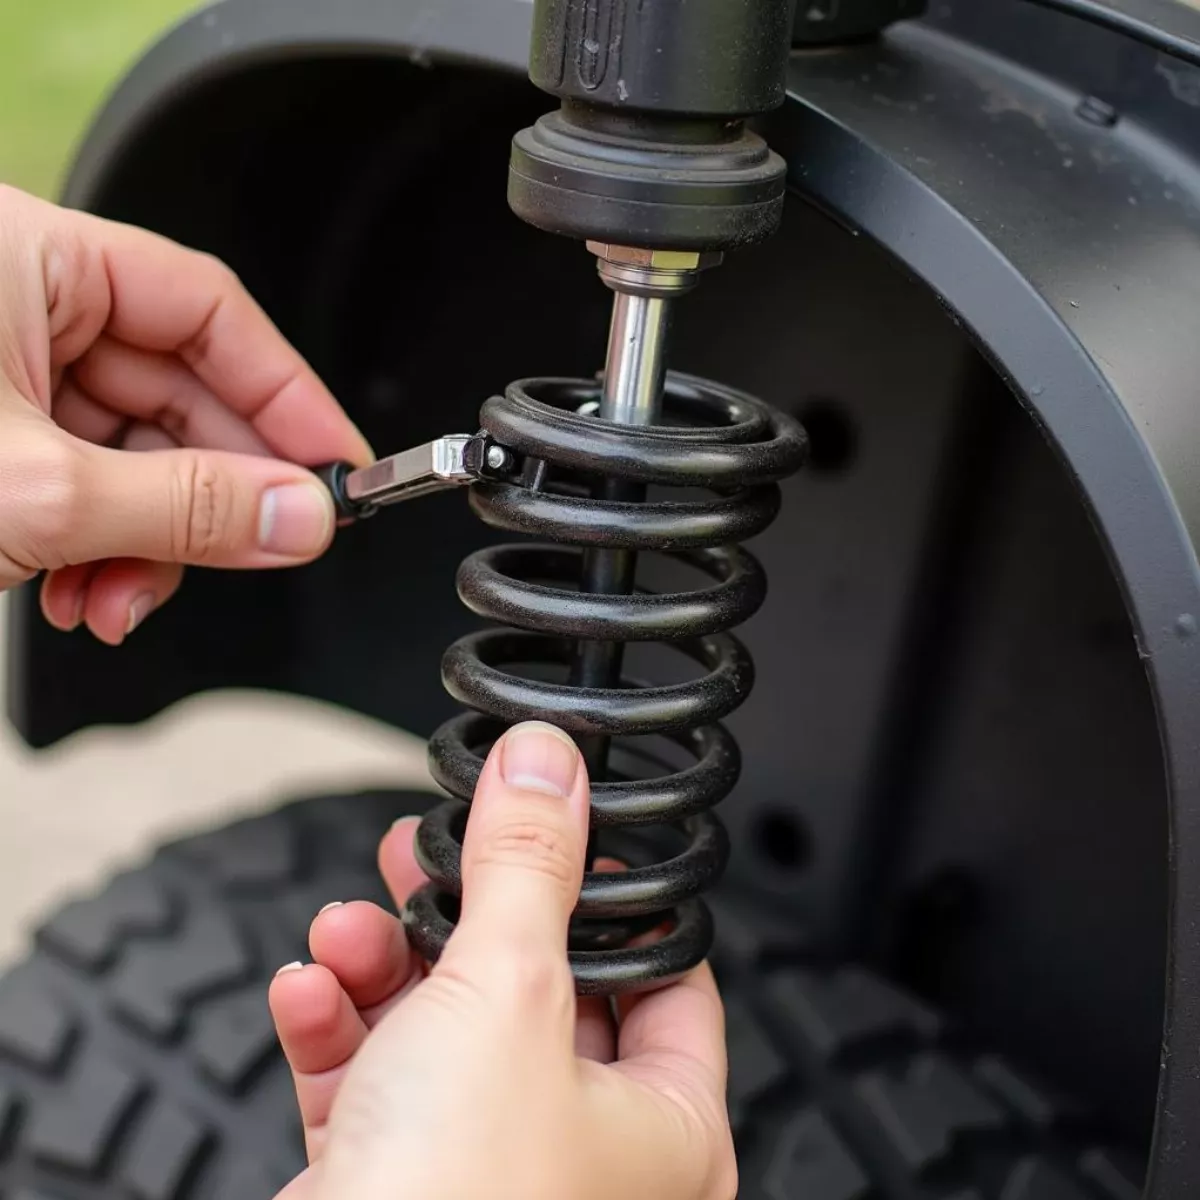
(138, 1062)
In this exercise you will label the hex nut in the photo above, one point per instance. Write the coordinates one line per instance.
(659, 260)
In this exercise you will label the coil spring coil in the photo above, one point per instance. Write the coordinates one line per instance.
(735, 448)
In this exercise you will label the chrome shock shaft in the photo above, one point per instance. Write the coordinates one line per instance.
(645, 284)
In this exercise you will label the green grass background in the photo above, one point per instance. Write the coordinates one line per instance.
(58, 60)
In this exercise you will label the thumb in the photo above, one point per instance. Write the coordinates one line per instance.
(523, 852)
(197, 507)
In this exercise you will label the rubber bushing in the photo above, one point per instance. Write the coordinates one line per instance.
(605, 186)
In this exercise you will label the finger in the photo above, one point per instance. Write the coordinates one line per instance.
(142, 438)
(398, 863)
(197, 507)
(367, 951)
(523, 852)
(319, 1028)
(83, 417)
(64, 594)
(123, 593)
(320, 1031)
(157, 389)
(161, 297)
(595, 1023)
(677, 1033)
(114, 598)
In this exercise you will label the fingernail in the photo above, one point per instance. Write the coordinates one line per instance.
(295, 520)
(405, 822)
(139, 610)
(539, 758)
(295, 966)
(331, 904)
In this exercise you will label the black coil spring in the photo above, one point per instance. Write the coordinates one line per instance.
(735, 448)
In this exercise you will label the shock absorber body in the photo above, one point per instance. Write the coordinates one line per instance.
(649, 161)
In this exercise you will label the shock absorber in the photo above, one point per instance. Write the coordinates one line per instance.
(649, 161)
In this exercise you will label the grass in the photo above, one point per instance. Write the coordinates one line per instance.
(58, 60)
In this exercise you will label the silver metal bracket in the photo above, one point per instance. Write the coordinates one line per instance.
(456, 460)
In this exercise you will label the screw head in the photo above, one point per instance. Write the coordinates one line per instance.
(1095, 111)
(497, 458)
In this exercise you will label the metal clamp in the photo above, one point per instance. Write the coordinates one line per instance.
(456, 460)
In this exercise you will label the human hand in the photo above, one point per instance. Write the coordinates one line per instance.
(115, 340)
(485, 1077)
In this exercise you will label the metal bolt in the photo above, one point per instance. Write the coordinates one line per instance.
(497, 458)
(1095, 111)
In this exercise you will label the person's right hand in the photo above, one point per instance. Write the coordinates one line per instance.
(484, 1078)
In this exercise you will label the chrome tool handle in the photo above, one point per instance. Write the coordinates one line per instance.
(447, 462)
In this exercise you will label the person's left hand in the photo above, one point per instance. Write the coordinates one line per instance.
(115, 340)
